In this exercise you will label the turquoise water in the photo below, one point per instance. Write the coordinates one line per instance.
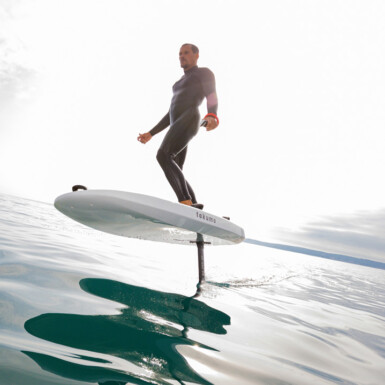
(81, 307)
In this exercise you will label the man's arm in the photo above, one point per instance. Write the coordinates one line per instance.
(164, 122)
(209, 89)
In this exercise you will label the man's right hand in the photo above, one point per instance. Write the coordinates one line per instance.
(144, 138)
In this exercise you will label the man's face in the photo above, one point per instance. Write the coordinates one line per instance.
(187, 57)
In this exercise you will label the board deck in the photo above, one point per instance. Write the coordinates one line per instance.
(145, 217)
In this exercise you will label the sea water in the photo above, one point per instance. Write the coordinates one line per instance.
(79, 306)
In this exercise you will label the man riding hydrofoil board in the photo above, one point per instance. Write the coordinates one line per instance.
(183, 118)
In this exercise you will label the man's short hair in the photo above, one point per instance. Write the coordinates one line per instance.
(194, 48)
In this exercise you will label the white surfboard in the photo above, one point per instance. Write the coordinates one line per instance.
(145, 217)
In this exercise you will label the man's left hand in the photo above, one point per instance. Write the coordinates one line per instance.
(211, 123)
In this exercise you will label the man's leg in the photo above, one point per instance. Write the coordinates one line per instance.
(174, 143)
(179, 159)
(173, 174)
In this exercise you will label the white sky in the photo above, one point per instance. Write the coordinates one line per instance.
(301, 86)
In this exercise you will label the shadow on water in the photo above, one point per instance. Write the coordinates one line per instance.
(146, 334)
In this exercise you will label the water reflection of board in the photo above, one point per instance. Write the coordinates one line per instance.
(145, 217)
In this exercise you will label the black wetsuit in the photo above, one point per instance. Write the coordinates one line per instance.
(184, 121)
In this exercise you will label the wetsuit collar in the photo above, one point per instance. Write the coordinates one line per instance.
(190, 70)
